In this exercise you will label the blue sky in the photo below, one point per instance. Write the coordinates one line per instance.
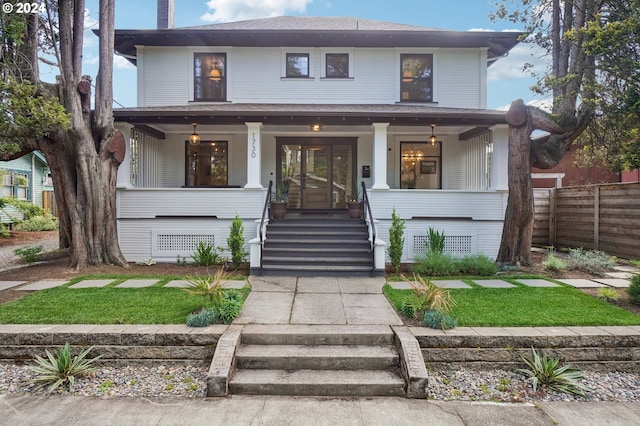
(506, 79)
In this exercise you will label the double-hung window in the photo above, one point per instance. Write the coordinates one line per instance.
(210, 77)
(416, 78)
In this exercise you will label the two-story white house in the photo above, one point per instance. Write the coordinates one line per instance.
(323, 104)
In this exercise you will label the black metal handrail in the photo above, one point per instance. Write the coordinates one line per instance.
(367, 212)
(266, 212)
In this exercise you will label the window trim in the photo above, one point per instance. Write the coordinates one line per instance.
(432, 78)
(326, 65)
(298, 54)
(223, 77)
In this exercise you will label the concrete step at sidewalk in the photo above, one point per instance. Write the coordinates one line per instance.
(371, 335)
(317, 383)
(321, 357)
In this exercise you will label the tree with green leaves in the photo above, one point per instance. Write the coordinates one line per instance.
(593, 78)
(81, 145)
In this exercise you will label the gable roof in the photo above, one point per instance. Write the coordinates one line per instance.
(310, 31)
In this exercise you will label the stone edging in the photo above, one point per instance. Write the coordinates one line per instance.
(604, 348)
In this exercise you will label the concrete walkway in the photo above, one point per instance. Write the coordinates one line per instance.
(281, 410)
(318, 300)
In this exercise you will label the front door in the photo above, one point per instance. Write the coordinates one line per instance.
(317, 173)
(316, 179)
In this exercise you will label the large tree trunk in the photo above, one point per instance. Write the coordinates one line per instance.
(515, 246)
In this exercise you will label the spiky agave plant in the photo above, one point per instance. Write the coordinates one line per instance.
(545, 371)
(62, 368)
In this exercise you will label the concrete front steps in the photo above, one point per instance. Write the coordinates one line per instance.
(316, 361)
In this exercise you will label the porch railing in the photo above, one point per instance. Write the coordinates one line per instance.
(266, 214)
(367, 214)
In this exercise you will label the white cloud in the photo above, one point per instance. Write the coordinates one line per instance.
(91, 60)
(544, 104)
(89, 22)
(238, 10)
(122, 63)
(510, 67)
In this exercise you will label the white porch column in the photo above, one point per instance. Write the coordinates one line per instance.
(124, 171)
(500, 158)
(380, 156)
(254, 155)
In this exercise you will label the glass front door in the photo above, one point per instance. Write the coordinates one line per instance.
(317, 173)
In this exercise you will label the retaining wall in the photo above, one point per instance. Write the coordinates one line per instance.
(118, 344)
(593, 348)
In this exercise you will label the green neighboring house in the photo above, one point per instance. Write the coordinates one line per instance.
(25, 178)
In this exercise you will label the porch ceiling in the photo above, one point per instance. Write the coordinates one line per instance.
(306, 114)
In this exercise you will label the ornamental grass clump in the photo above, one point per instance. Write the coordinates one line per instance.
(547, 372)
(554, 263)
(224, 302)
(592, 261)
(62, 369)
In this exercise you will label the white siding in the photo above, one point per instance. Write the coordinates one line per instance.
(458, 78)
(256, 75)
(166, 76)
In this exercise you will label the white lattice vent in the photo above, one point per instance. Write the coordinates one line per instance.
(181, 243)
(457, 245)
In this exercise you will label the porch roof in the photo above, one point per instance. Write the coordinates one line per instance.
(306, 114)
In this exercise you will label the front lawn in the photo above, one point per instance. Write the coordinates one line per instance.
(524, 306)
(107, 305)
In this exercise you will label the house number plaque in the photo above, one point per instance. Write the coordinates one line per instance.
(253, 145)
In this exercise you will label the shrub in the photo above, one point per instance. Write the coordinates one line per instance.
(61, 369)
(408, 310)
(436, 241)
(4, 231)
(608, 294)
(29, 254)
(27, 209)
(235, 242)
(230, 306)
(477, 264)
(547, 372)
(436, 265)
(203, 318)
(554, 263)
(48, 222)
(396, 240)
(634, 290)
(635, 263)
(590, 260)
(438, 320)
(206, 255)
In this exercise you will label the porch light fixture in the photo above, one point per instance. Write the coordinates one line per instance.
(316, 127)
(194, 138)
(433, 138)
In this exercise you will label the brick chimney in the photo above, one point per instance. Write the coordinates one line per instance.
(165, 14)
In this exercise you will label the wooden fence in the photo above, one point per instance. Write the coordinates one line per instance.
(49, 202)
(602, 217)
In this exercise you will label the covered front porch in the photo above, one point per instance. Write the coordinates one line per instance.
(172, 194)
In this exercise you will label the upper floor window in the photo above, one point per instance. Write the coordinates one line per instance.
(416, 78)
(337, 65)
(210, 77)
(297, 65)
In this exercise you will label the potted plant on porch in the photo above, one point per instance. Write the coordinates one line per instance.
(279, 202)
(354, 203)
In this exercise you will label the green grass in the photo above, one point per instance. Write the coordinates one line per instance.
(107, 305)
(526, 307)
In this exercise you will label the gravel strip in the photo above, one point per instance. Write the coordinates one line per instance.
(160, 381)
(190, 382)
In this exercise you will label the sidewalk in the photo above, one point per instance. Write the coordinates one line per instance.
(280, 410)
